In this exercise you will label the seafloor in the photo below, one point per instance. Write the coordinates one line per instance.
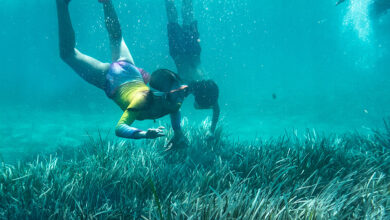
(81, 171)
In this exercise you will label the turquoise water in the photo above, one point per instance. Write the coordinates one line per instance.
(327, 65)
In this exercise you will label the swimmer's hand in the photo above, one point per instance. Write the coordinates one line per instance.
(104, 1)
(210, 136)
(153, 133)
(179, 140)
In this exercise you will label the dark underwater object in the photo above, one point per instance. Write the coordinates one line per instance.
(339, 2)
(377, 7)
(381, 7)
(274, 96)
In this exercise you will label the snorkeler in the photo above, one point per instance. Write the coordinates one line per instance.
(185, 50)
(122, 81)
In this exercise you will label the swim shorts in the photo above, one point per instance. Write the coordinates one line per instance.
(122, 72)
(184, 40)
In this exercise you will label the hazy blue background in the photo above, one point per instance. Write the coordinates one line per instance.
(328, 66)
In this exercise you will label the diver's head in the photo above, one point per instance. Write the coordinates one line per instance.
(168, 89)
(206, 93)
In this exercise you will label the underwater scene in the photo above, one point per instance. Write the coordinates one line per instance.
(195, 109)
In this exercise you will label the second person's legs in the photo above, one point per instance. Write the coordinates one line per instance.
(171, 11)
(187, 12)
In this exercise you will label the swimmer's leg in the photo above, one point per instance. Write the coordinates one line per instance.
(187, 12)
(119, 50)
(171, 11)
(90, 69)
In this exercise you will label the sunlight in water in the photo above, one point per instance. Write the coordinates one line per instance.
(358, 18)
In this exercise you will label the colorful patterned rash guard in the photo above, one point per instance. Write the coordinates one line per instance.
(126, 85)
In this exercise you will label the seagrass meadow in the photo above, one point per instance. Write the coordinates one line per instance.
(290, 177)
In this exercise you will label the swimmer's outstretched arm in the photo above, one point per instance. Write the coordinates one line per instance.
(175, 121)
(124, 129)
(187, 12)
(119, 49)
(178, 139)
(216, 113)
(171, 11)
(90, 69)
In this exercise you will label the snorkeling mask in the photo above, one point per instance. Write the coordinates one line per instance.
(175, 96)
